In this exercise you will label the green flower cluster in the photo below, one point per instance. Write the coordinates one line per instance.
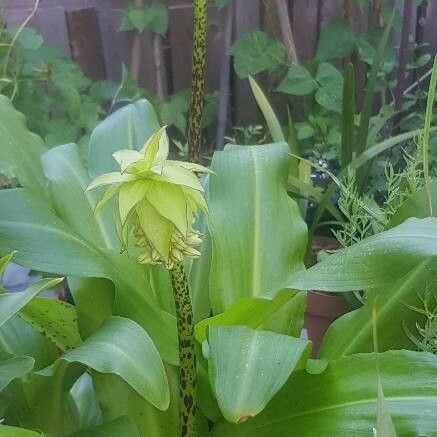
(159, 199)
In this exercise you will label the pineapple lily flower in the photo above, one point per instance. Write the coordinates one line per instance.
(158, 198)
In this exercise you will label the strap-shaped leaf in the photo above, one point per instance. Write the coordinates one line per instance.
(252, 217)
(12, 303)
(120, 346)
(374, 262)
(342, 401)
(44, 242)
(20, 150)
(9, 431)
(14, 367)
(117, 428)
(55, 319)
(248, 367)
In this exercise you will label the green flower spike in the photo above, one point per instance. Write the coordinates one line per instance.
(159, 199)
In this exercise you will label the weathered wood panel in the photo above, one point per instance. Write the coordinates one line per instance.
(57, 21)
(85, 42)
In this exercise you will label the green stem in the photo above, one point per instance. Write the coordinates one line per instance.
(194, 136)
(187, 355)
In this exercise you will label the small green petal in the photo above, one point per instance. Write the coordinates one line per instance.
(191, 166)
(179, 176)
(110, 178)
(107, 196)
(152, 147)
(156, 227)
(131, 194)
(127, 157)
(169, 201)
(196, 200)
(163, 149)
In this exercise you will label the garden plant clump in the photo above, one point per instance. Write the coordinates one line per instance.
(183, 283)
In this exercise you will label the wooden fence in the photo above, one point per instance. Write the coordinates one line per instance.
(86, 30)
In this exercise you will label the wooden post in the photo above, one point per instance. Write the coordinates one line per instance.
(85, 42)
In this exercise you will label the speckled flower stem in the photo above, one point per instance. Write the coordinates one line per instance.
(181, 292)
(194, 136)
(187, 355)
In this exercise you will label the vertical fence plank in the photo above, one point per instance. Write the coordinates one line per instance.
(305, 27)
(86, 43)
(430, 31)
(50, 22)
(247, 17)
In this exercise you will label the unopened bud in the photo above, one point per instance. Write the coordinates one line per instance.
(145, 258)
(193, 239)
(189, 252)
(156, 257)
(177, 254)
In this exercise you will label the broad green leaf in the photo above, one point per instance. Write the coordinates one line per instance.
(18, 338)
(20, 150)
(68, 182)
(330, 93)
(154, 17)
(342, 401)
(14, 367)
(352, 333)
(45, 243)
(83, 405)
(384, 422)
(118, 399)
(337, 40)
(55, 319)
(200, 270)
(297, 82)
(117, 428)
(254, 52)
(248, 367)
(158, 14)
(289, 319)
(12, 303)
(250, 181)
(267, 111)
(367, 45)
(44, 408)
(28, 38)
(378, 261)
(127, 128)
(251, 312)
(9, 431)
(94, 300)
(121, 347)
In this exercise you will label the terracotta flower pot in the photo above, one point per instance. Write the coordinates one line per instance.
(322, 310)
